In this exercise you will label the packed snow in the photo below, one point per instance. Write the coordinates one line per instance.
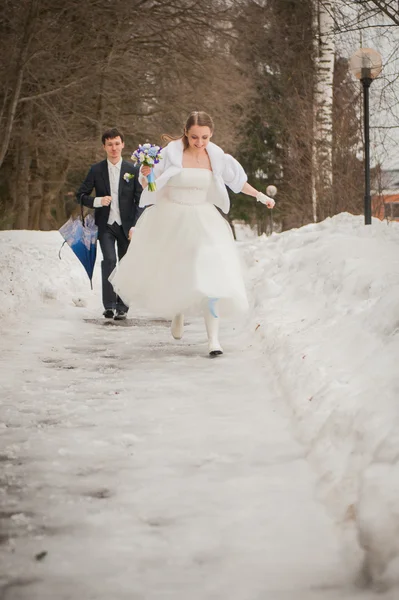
(326, 309)
(134, 468)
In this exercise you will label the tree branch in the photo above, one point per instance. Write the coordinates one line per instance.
(52, 92)
(388, 9)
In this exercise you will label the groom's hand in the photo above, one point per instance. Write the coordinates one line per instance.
(106, 200)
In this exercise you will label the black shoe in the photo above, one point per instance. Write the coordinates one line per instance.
(108, 313)
(214, 353)
(120, 315)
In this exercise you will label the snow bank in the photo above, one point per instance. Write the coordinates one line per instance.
(33, 275)
(326, 310)
(244, 232)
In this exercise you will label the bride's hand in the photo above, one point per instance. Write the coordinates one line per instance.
(145, 170)
(265, 200)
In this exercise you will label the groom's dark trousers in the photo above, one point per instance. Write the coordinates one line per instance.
(112, 234)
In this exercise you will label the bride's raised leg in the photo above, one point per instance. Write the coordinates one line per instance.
(177, 327)
(212, 329)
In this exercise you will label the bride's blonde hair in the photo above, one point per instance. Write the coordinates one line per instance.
(197, 117)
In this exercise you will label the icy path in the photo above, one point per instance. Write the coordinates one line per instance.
(136, 468)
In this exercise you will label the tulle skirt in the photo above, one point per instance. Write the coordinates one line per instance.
(181, 256)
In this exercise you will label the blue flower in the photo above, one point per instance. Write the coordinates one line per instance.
(153, 151)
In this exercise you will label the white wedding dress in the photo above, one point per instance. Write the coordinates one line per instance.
(182, 254)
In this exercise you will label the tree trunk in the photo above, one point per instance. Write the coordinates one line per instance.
(55, 182)
(62, 201)
(100, 107)
(323, 109)
(22, 175)
(35, 193)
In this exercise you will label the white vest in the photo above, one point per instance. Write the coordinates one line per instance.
(226, 171)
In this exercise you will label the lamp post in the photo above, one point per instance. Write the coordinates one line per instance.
(366, 65)
(271, 191)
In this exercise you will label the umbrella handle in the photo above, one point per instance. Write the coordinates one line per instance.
(81, 210)
(59, 253)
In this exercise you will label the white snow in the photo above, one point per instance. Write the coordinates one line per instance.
(244, 232)
(145, 471)
(326, 310)
(33, 274)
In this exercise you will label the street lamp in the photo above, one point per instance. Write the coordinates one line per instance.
(366, 65)
(271, 191)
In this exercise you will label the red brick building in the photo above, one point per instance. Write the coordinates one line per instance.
(385, 202)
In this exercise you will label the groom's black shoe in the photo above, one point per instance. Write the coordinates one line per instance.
(120, 315)
(108, 313)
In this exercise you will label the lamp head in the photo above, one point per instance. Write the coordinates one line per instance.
(365, 63)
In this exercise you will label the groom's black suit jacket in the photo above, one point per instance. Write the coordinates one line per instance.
(129, 194)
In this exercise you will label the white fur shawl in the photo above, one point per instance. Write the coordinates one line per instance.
(226, 171)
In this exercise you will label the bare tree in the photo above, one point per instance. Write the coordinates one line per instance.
(80, 67)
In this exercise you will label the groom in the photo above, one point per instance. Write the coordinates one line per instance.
(116, 205)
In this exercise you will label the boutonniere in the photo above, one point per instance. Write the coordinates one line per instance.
(128, 176)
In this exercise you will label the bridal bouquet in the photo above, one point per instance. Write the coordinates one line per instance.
(149, 155)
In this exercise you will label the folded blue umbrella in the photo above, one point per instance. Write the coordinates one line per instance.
(81, 235)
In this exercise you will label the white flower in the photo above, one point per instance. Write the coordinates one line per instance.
(146, 146)
(128, 176)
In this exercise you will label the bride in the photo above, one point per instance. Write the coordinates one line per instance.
(182, 256)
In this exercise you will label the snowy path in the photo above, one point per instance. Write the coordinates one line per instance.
(136, 468)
